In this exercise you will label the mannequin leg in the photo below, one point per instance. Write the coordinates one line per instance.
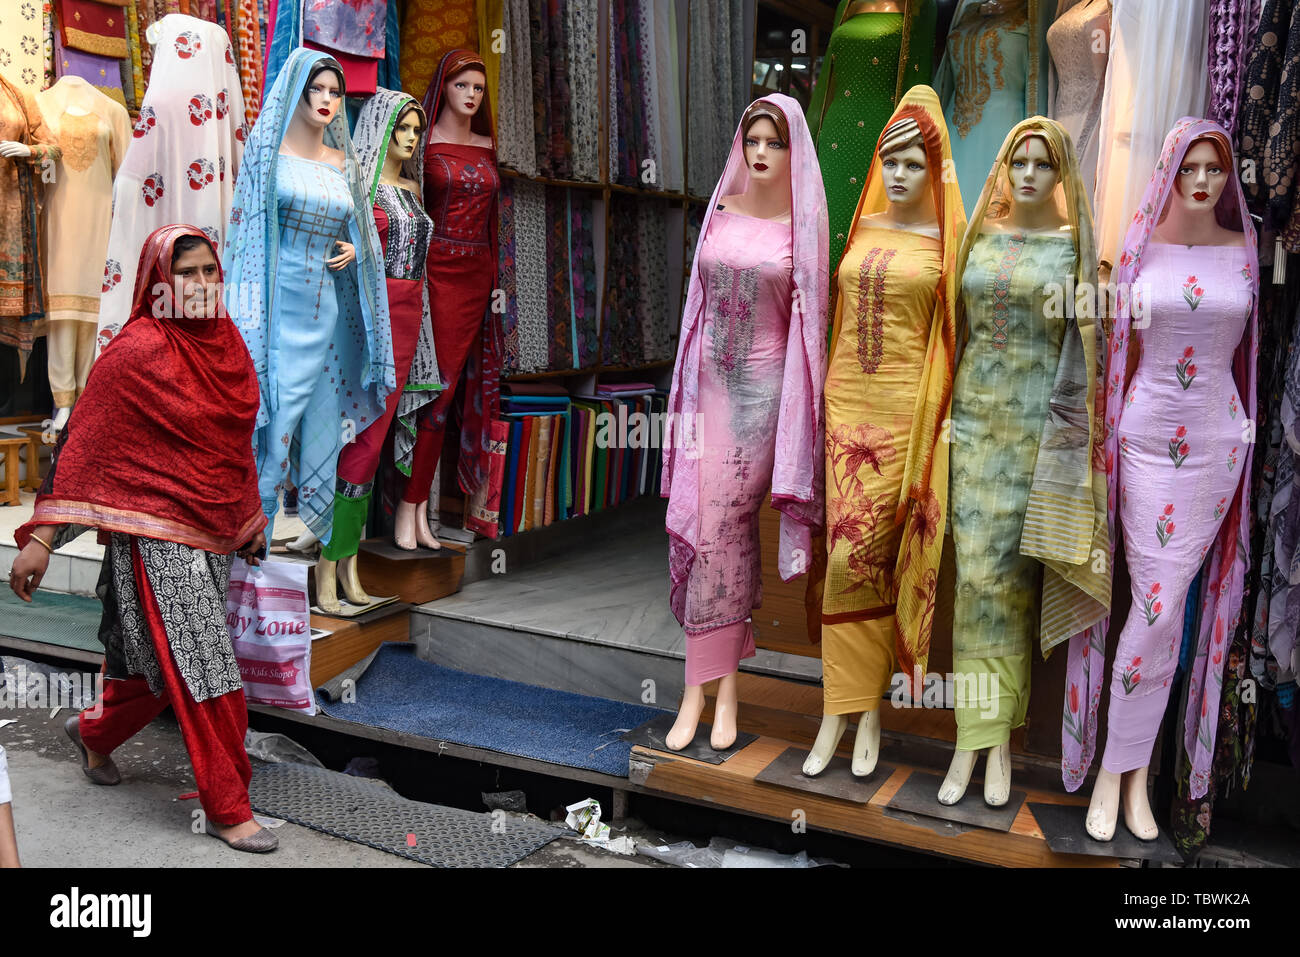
(866, 744)
(857, 664)
(350, 580)
(956, 780)
(85, 354)
(725, 707)
(1103, 808)
(404, 526)
(688, 718)
(997, 775)
(424, 534)
(327, 586)
(61, 341)
(1137, 808)
(823, 749)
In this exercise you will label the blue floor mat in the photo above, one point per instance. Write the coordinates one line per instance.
(401, 692)
(70, 621)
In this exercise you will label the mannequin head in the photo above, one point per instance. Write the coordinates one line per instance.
(904, 165)
(406, 134)
(1202, 176)
(463, 93)
(766, 140)
(323, 94)
(1034, 172)
(196, 277)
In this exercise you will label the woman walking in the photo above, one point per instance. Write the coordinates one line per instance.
(158, 456)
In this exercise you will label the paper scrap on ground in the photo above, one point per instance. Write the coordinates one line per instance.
(584, 817)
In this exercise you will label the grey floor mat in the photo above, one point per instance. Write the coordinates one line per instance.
(368, 813)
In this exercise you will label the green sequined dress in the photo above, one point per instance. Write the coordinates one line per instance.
(866, 69)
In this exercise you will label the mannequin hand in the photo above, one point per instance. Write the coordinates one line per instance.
(12, 149)
(28, 570)
(250, 551)
(345, 258)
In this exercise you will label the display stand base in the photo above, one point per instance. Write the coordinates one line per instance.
(652, 734)
(417, 577)
(351, 639)
(920, 796)
(349, 610)
(1063, 827)
(837, 780)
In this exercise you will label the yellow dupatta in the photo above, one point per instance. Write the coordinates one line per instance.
(923, 504)
(1065, 524)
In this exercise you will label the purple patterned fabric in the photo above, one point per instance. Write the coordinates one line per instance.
(1232, 25)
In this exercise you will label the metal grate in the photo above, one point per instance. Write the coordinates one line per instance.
(366, 812)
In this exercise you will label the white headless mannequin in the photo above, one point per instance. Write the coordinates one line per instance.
(912, 209)
(462, 96)
(1190, 222)
(767, 196)
(79, 104)
(1034, 178)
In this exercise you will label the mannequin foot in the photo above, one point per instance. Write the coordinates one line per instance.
(823, 749)
(866, 744)
(327, 587)
(997, 775)
(1137, 809)
(350, 581)
(404, 526)
(1103, 808)
(305, 542)
(61, 418)
(423, 534)
(723, 734)
(955, 781)
(688, 718)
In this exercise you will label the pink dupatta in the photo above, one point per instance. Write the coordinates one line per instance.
(1223, 581)
(797, 476)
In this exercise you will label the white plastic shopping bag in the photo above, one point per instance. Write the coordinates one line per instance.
(270, 626)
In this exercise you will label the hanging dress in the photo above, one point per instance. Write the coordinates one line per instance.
(871, 61)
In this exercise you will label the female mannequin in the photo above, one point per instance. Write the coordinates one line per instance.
(1025, 420)
(994, 72)
(310, 304)
(460, 193)
(25, 143)
(1079, 73)
(388, 133)
(745, 405)
(887, 392)
(1182, 453)
(878, 50)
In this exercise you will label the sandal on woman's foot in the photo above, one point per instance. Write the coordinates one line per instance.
(107, 773)
(259, 842)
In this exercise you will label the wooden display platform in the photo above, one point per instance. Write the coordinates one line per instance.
(351, 639)
(731, 785)
(415, 577)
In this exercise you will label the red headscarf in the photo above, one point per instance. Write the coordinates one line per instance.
(454, 63)
(160, 443)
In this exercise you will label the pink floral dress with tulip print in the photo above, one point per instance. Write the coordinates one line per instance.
(1182, 442)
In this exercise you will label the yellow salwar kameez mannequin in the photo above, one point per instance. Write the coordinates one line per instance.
(887, 391)
(1027, 503)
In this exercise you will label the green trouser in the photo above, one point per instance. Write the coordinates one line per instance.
(349, 520)
(991, 697)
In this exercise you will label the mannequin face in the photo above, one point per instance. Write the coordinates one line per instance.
(1201, 179)
(766, 154)
(906, 175)
(406, 134)
(463, 93)
(323, 97)
(196, 277)
(1033, 173)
